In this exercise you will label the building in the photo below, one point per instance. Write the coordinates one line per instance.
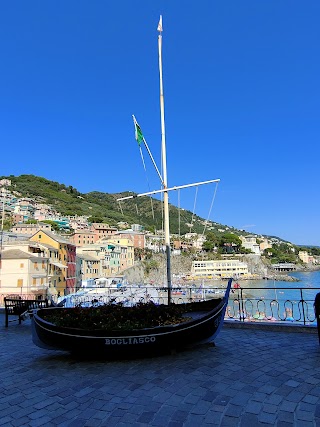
(306, 258)
(23, 273)
(126, 251)
(265, 244)
(82, 238)
(26, 207)
(66, 254)
(155, 243)
(90, 266)
(250, 242)
(218, 268)
(100, 260)
(139, 239)
(30, 229)
(102, 230)
(44, 251)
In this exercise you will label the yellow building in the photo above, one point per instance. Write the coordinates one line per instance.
(306, 258)
(65, 259)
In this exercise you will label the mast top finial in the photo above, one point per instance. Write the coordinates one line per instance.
(160, 25)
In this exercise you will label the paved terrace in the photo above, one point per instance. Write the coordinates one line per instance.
(252, 377)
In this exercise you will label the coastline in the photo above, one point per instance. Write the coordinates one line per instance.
(181, 268)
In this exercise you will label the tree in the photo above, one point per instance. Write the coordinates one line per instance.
(95, 219)
(230, 243)
(212, 241)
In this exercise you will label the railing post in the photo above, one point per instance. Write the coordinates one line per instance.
(302, 302)
(241, 306)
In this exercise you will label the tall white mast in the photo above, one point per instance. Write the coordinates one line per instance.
(164, 166)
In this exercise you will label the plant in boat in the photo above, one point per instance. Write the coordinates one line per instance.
(117, 317)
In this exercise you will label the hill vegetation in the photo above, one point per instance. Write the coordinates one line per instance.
(103, 207)
(147, 211)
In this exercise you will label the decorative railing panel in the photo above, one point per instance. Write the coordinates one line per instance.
(246, 304)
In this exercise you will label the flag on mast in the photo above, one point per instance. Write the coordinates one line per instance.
(138, 132)
(160, 24)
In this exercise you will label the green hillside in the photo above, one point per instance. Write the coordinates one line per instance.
(104, 206)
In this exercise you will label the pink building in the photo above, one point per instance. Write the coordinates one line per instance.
(81, 238)
(102, 230)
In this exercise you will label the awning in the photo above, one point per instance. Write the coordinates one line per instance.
(58, 264)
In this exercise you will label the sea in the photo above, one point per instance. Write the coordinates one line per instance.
(279, 300)
(307, 286)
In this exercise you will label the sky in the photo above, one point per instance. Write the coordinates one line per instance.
(241, 101)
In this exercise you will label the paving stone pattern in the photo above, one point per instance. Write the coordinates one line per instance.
(251, 378)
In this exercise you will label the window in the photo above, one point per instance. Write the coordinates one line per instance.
(21, 265)
(19, 283)
(34, 281)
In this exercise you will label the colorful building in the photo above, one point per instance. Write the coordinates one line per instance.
(66, 261)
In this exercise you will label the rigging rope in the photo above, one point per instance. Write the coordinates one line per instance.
(120, 207)
(194, 207)
(212, 201)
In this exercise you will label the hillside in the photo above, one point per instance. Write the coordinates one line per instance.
(67, 200)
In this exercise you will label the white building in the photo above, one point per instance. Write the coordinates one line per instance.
(250, 242)
(219, 268)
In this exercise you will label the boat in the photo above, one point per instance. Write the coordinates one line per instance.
(204, 317)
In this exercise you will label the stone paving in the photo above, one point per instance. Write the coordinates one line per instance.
(252, 377)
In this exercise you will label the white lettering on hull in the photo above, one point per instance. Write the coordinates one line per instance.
(131, 340)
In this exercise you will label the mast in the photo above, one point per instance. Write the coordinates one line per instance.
(164, 166)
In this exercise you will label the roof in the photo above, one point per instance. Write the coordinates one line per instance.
(88, 257)
(19, 254)
(129, 231)
(53, 236)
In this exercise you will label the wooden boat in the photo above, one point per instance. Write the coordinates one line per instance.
(207, 319)
(206, 316)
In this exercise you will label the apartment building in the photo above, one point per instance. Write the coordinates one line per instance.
(100, 260)
(66, 261)
(126, 251)
(82, 238)
(218, 268)
(23, 273)
(306, 258)
(102, 230)
(30, 229)
(138, 239)
(250, 242)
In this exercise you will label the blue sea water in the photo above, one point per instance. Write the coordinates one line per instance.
(262, 293)
(307, 286)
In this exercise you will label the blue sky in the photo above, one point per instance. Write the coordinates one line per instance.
(241, 85)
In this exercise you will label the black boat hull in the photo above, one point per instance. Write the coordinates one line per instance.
(207, 319)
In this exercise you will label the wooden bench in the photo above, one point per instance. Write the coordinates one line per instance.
(22, 307)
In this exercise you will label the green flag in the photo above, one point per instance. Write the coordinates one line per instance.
(138, 131)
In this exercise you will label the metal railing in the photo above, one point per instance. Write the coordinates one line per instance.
(249, 304)
(295, 305)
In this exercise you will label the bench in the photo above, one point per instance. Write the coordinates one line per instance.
(22, 307)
